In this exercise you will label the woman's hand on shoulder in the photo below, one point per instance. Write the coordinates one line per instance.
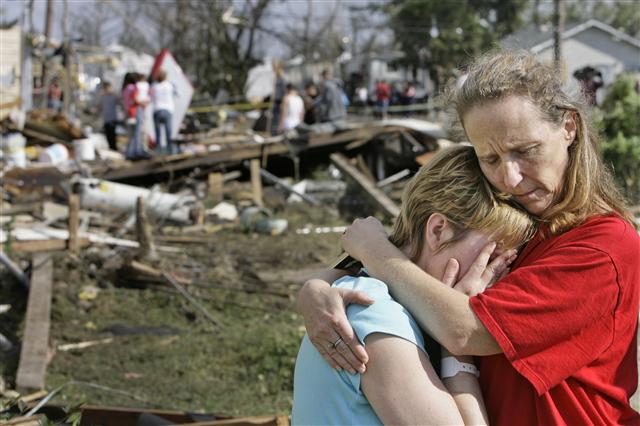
(324, 311)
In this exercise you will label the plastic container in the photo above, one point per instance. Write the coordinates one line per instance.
(13, 149)
(54, 154)
(84, 150)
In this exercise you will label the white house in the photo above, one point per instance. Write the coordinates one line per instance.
(591, 43)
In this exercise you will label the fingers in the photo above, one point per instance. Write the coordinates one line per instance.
(499, 267)
(356, 297)
(451, 271)
(349, 348)
(340, 354)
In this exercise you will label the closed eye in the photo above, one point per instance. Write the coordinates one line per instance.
(528, 150)
(489, 160)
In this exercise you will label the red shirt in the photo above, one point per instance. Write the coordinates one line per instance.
(566, 319)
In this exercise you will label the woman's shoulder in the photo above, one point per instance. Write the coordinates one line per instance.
(610, 235)
(603, 229)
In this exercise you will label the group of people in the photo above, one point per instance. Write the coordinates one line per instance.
(507, 292)
(137, 95)
(389, 94)
(322, 103)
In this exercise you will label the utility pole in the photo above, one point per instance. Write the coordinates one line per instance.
(558, 29)
(67, 58)
(48, 25)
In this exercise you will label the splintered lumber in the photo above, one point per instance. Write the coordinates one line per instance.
(380, 198)
(74, 223)
(147, 247)
(35, 344)
(144, 269)
(190, 298)
(36, 420)
(216, 181)
(256, 182)
(125, 416)
(35, 246)
(279, 182)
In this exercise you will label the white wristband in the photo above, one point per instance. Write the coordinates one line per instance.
(450, 366)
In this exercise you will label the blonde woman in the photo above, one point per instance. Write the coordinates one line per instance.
(448, 211)
(556, 336)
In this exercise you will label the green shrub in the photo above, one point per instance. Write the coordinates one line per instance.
(619, 120)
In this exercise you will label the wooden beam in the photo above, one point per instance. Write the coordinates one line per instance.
(74, 223)
(256, 182)
(386, 204)
(35, 344)
(37, 246)
(216, 181)
(143, 229)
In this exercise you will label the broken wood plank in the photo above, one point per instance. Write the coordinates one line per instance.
(147, 247)
(37, 246)
(284, 185)
(256, 182)
(152, 272)
(216, 181)
(74, 223)
(386, 204)
(35, 344)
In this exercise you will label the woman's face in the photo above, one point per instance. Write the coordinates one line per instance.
(521, 153)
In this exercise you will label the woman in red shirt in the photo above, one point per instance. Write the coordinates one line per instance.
(556, 337)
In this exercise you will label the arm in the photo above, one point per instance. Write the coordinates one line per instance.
(465, 389)
(441, 311)
(402, 386)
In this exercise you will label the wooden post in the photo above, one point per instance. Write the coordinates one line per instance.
(35, 343)
(256, 182)
(74, 207)
(147, 247)
(216, 181)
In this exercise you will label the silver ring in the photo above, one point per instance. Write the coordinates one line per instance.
(335, 344)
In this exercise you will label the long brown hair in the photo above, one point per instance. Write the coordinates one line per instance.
(588, 187)
(453, 185)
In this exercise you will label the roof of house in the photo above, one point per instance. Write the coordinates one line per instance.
(537, 39)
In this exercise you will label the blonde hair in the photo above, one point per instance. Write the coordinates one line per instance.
(588, 187)
(452, 184)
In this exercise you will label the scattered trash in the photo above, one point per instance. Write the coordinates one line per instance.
(258, 219)
(54, 154)
(322, 230)
(83, 345)
(223, 211)
(89, 292)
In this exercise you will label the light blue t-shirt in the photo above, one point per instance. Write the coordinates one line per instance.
(324, 396)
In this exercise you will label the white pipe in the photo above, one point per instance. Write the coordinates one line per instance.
(116, 197)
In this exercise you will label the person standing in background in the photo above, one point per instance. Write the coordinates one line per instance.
(109, 107)
(279, 91)
(292, 110)
(162, 94)
(329, 102)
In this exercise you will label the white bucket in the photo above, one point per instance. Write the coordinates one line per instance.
(54, 154)
(13, 149)
(83, 149)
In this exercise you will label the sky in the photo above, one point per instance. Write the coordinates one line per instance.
(15, 9)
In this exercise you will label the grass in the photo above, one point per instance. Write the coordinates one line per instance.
(244, 367)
